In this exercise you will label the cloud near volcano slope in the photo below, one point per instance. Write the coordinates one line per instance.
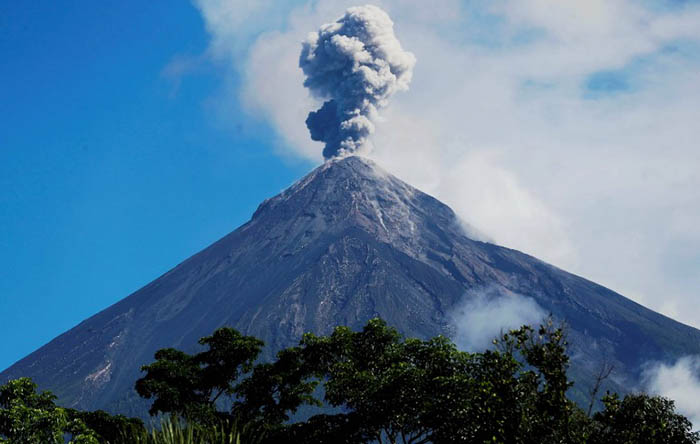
(563, 129)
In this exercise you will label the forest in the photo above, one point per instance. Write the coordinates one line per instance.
(372, 385)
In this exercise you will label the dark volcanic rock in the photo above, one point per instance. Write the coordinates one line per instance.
(347, 243)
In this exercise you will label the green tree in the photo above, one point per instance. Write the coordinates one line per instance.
(275, 390)
(387, 386)
(391, 389)
(191, 385)
(641, 419)
(413, 391)
(28, 417)
(541, 385)
(109, 428)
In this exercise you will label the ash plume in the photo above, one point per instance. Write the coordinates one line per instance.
(356, 64)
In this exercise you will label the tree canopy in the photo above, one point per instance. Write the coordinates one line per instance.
(190, 385)
(373, 385)
(29, 417)
(381, 387)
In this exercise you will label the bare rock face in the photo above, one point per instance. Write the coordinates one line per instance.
(347, 243)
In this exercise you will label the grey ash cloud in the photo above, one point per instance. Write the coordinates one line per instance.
(355, 64)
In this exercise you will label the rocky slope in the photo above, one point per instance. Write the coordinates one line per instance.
(346, 243)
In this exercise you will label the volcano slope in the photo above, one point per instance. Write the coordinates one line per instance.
(347, 243)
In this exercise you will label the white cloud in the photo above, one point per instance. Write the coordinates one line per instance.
(680, 382)
(232, 23)
(485, 313)
(271, 69)
(490, 198)
(498, 124)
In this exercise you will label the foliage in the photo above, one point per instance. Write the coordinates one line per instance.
(384, 387)
(641, 419)
(109, 428)
(275, 390)
(396, 390)
(28, 417)
(174, 431)
(190, 385)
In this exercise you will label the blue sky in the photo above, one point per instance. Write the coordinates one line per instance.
(110, 174)
(135, 134)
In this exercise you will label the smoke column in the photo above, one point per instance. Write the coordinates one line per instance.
(356, 64)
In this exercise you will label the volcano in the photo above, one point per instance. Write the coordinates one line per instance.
(347, 243)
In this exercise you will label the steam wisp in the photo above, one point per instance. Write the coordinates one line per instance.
(487, 312)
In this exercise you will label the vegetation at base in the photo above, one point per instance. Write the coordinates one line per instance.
(30, 417)
(385, 388)
(109, 428)
(172, 430)
(189, 386)
(396, 390)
